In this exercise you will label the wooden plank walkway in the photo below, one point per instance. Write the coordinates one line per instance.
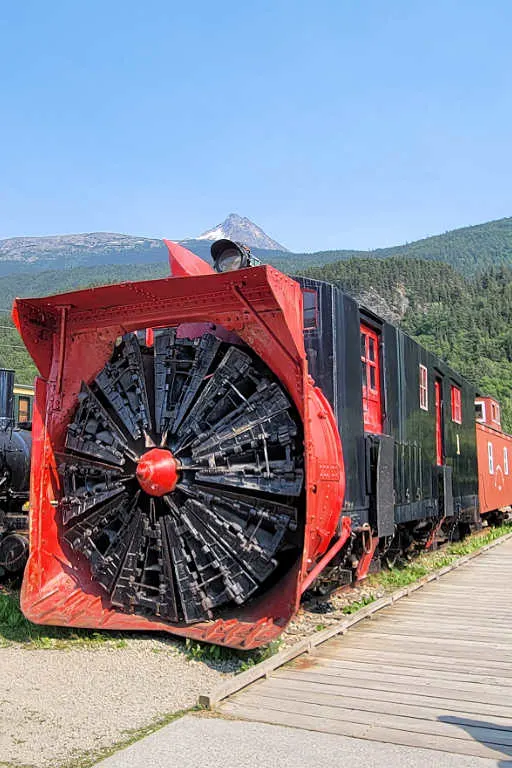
(433, 671)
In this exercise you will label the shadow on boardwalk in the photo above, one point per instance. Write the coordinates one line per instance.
(476, 729)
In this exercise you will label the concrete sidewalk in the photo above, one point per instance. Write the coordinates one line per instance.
(197, 741)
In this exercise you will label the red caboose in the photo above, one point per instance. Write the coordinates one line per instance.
(494, 450)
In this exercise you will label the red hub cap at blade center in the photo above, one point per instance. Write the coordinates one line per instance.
(157, 472)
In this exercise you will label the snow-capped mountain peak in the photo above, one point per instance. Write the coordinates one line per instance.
(244, 231)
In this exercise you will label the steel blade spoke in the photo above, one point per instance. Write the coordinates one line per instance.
(123, 383)
(258, 521)
(94, 433)
(223, 392)
(105, 535)
(221, 577)
(193, 601)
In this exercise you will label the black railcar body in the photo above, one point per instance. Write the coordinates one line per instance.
(418, 468)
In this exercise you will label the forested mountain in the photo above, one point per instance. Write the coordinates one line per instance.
(52, 281)
(470, 249)
(465, 320)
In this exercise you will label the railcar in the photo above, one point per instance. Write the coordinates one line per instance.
(15, 447)
(407, 426)
(208, 446)
(494, 456)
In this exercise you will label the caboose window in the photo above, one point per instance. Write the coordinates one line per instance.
(309, 299)
(423, 388)
(505, 460)
(456, 405)
(480, 411)
(23, 409)
(495, 413)
(491, 458)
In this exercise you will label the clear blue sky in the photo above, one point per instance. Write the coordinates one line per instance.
(331, 123)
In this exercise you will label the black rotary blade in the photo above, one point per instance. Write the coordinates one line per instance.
(232, 522)
(180, 368)
(105, 535)
(86, 483)
(95, 433)
(252, 528)
(123, 383)
(222, 393)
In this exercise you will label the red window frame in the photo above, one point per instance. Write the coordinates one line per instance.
(309, 312)
(423, 387)
(369, 360)
(371, 385)
(456, 405)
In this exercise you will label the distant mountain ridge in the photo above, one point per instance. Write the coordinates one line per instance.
(469, 249)
(80, 250)
(98, 249)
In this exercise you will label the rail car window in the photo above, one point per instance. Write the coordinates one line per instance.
(371, 384)
(369, 360)
(480, 411)
(23, 409)
(491, 458)
(456, 405)
(505, 460)
(423, 388)
(310, 302)
(495, 413)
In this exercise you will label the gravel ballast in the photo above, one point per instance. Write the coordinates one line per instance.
(59, 705)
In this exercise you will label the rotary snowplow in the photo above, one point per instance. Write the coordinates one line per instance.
(187, 475)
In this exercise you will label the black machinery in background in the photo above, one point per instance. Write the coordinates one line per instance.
(15, 447)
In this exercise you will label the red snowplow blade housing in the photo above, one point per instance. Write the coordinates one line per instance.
(71, 336)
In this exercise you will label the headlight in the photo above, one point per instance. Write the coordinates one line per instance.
(229, 256)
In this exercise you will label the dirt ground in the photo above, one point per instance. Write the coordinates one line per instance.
(57, 706)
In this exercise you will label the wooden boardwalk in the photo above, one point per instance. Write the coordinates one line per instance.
(432, 671)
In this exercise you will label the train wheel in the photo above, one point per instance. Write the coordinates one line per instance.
(13, 553)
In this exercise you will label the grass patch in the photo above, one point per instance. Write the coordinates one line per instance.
(403, 575)
(251, 658)
(15, 628)
(243, 660)
(14, 765)
(196, 651)
(357, 604)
